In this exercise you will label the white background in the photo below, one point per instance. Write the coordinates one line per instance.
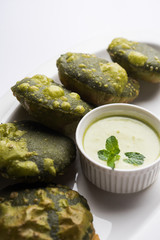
(32, 31)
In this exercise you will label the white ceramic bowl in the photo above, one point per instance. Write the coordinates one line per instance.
(117, 180)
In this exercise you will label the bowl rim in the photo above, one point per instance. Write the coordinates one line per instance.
(99, 108)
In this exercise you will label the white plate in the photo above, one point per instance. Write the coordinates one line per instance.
(127, 217)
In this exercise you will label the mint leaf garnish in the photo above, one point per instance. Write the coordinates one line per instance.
(111, 161)
(110, 154)
(103, 155)
(112, 145)
(134, 158)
